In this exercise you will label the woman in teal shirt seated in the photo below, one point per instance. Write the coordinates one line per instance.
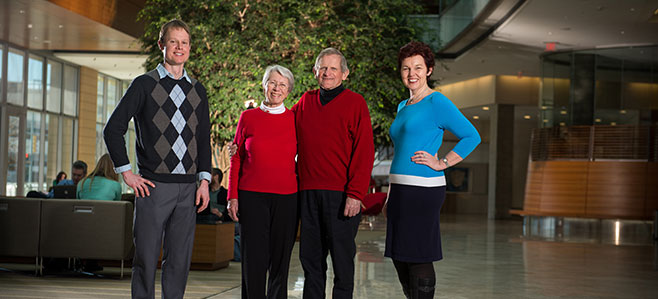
(102, 183)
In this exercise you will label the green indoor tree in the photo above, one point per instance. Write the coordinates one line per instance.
(234, 41)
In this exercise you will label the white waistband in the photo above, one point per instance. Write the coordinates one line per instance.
(404, 179)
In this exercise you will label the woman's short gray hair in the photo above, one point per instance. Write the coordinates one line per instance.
(286, 73)
(331, 51)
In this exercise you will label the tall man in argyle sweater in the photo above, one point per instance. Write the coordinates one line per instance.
(171, 116)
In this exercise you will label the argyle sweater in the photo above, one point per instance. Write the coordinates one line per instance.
(172, 127)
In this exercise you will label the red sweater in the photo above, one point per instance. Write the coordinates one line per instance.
(335, 143)
(265, 160)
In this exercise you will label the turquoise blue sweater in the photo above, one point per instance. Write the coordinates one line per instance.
(101, 189)
(420, 127)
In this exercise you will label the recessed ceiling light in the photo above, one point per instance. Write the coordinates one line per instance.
(622, 111)
(485, 108)
(613, 123)
(35, 37)
(562, 124)
(29, 26)
(622, 32)
(598, 120)
(60, 26)
(544, 107)
(545, 120)
(476, 117)
(526, 116)
(21, 11)
(563, 112)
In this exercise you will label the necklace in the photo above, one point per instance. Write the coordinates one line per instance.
(418, 96)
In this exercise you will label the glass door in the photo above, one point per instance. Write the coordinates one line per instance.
(15, 152)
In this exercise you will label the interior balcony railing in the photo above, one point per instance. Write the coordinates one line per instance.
(595, 143)
(462, 24)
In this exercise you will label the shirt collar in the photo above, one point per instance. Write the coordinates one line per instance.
(162, 71)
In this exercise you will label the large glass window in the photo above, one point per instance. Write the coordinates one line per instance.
(66, 153)
(107, 97)
(12, 155)
(32, 150)
(100, 94)
(35, 82)
(51, 147)
(2, 57)
(111, 97)
(54, 86)
(620, 83)
(15, 77)
(70, 90)
(100, 142)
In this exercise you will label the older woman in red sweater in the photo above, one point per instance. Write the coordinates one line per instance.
(262, 188)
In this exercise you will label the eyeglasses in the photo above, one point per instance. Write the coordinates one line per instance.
(273, 84)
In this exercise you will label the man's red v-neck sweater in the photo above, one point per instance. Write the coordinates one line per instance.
(335, 145)
(265, 159)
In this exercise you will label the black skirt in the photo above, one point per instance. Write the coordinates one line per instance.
(412, 232)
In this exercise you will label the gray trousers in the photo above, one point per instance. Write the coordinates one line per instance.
(169, 214)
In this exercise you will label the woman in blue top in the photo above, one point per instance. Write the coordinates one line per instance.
(417, 182)
(102, 183)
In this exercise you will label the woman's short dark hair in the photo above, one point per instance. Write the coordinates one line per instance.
(416, 48)
(217, 171)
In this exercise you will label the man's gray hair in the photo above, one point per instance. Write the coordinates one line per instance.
(286, 73)
(331, 51)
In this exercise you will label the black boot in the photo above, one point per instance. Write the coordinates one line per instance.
(422, 288)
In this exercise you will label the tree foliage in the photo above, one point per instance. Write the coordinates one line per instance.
(234, 41)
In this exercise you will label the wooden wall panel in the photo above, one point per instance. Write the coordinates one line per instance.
(601, 189)
(87, 117)
(118, 14)
(533, 189)
(564, 190)
(651, 202)
(616, 189)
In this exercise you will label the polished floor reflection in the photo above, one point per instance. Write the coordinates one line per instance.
(483, 259)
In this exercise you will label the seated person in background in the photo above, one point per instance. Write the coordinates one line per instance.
(217, 211)
(78, 171)
(102, 183)
(60, 177)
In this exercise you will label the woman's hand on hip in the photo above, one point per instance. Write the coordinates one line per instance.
(425, 158)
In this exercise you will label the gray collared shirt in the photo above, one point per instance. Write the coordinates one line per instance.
(162, 71)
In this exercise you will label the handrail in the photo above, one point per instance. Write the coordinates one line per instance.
(591, 143)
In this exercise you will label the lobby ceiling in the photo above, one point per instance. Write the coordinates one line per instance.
(81, 32)
(514, 47)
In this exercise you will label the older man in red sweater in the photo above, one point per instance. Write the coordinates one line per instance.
(335, 158)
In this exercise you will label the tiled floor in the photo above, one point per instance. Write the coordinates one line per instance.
(483, 259)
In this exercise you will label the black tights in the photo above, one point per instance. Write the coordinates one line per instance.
(417, 279)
